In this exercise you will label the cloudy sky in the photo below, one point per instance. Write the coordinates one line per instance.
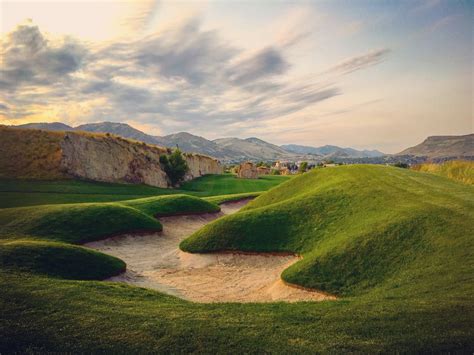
(368, 74)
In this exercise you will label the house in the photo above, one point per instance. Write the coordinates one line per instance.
(247, 170)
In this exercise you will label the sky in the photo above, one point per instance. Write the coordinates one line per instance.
(378, 74)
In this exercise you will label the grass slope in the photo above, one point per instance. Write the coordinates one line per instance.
(423, 305)
(459, 170)
(35, 239)
(358, 228)
(58, 260)
(18, 193)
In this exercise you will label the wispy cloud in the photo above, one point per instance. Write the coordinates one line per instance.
(360, 62)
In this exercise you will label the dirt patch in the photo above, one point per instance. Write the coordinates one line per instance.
(155, 261)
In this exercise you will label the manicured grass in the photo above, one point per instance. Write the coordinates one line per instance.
(233, 197)
(357, 227)
(395, 244)
(459, 170)
(213, 185)
(58, 260)
(18, 193)
(85, 222)
(49, 315)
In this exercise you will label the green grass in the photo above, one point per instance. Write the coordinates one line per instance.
(58, 260)
(85, 222)
(18, 193)
(213, 185)
(357, 227)
(395, 244)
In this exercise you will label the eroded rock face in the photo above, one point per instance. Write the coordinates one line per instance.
(114, 159)
(201, 165)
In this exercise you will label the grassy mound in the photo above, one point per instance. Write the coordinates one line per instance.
(85, 222)
(229, 184)
(232, 197)
(58, 260)
(397, 242)
(74, 223)
(173, 204)
(359, 228)
(459, 170)
(33, 239)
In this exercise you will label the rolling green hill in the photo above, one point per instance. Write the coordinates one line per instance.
(359, 228)
(18, 193)
(394, 244)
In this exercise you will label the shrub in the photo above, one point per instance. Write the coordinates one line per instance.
(401, 165)
(175, 166)
(303, 167)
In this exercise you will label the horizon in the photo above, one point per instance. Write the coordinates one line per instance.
(366, 75)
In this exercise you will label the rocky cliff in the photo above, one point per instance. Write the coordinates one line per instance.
(98, 157)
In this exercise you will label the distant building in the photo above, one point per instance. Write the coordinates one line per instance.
(263, 170)
(285, 171)
(247, 170)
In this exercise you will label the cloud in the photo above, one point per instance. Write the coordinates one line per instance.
(182, 76)
(142, 20)
(267, 62)
(360, 62)
(28, 58)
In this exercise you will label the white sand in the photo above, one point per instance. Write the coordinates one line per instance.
(155, 261)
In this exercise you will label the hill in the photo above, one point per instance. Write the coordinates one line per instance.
(191, 143)
(394, 244)
(42, 154)
(332, 151)
(49, 126)
(443, 147)
(365, 232)
(120, 129)
(253, 149)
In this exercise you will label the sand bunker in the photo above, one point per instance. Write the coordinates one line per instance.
(155, 261)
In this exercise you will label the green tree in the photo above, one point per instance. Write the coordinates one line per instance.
(401, 165)
(175, 166)
(303, 167)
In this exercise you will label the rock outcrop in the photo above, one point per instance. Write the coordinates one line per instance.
(201, 165)
(97, 157)
(112, 159)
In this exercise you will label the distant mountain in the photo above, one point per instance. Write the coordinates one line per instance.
(48, 126)
(191, 143)
(253, 149)
(225, 149)
(119, 129)
(331, 151)
(443, 147)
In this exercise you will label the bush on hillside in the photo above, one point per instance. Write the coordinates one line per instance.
(175, 166)
(303, 167)
(401, 165)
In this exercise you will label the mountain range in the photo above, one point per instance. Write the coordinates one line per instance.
(332, 150)
(443, 147)
(225, 149)
(230, 150)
